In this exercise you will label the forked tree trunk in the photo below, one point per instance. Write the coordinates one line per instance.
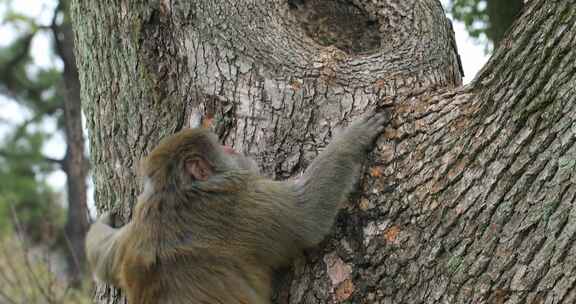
(468, 196)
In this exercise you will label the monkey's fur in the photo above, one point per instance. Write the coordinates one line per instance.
(208, 229)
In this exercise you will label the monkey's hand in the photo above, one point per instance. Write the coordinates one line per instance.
(365, 130)
(106, 218)
(101, 249)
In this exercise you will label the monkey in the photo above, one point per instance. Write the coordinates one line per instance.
(208, 228)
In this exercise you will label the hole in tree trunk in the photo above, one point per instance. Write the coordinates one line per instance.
(338, 23)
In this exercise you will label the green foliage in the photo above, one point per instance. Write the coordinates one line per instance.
(30, 85)
(35, 204)
(486, 19)
(26, 199)
(23, 167)
(15, 17)
(472, 13)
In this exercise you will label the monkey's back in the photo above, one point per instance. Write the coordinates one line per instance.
(213, 250)
(217, 280)
(191, 279)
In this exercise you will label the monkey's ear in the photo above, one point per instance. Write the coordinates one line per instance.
(199, 169)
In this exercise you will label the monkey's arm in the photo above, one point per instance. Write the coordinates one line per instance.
(102, 250)
(332, 175)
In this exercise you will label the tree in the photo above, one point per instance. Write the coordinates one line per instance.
(469, 195)
(45, 92)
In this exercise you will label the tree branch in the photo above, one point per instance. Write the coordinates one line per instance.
(6, 154)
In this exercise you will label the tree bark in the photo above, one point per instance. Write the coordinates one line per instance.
(468, 196)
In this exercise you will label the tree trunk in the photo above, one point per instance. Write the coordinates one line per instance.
(75, 163)
(468, 196)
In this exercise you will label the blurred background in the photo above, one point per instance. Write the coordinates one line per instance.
(46, 201)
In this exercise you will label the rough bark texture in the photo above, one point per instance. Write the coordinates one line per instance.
(468, 197)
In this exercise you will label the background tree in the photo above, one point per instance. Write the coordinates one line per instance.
(53, 93)
(469, 196)
(489, 17)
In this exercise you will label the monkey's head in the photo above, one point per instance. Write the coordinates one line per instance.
(189, 156)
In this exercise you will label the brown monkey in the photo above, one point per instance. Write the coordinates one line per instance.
(208, 229)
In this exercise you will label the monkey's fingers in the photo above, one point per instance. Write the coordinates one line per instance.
(378, 121)
(106, 218)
